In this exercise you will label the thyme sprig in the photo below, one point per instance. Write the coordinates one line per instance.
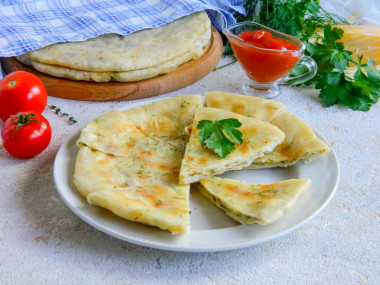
(58, 111)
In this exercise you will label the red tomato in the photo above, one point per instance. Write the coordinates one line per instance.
(21, 91)
(26, 134)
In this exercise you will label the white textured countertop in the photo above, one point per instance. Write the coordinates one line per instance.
(43, 242)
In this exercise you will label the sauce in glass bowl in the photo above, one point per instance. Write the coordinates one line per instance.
(267, 56)
(257, 57)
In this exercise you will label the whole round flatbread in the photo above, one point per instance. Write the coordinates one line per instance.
(124, 76)
(140, 50)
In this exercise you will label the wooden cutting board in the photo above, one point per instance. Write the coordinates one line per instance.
(184, 75)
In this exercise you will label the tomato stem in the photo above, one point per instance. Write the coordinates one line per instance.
(23, 120)
(12, 83)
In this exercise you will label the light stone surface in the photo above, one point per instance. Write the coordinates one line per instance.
(43, 242)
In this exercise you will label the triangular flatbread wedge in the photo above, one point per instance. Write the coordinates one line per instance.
(250, 203)
(165, 117)
(129, 162)
(300, 143)
(112, 133)
(142, 189)
(250, 106)
(199, 162)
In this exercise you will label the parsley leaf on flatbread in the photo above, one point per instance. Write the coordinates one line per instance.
(213, 135)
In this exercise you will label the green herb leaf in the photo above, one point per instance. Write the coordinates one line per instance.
(334, 90)
(214, 134)
(372, 73)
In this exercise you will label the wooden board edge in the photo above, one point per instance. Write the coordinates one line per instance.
(183, 76)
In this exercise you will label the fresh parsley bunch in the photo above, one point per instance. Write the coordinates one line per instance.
(359, 92)
(306, 19)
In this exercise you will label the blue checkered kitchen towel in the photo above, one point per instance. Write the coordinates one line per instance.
(31, 24)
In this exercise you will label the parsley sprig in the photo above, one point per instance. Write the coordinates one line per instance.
(357, 93)
(213, 135)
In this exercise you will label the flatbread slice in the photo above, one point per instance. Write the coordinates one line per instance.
(250, 106)
(253, 203)
(112, 133)
(117, 132)
(199, 162)
(165, 117)
(140, 189)
(300, 143)
(131, 167)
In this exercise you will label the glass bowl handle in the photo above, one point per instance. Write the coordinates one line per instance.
(312, 71)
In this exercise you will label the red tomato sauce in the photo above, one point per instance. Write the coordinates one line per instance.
(266, 63)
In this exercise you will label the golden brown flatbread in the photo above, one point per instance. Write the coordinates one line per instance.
(137, 56)
(250, 203)
(250, 106)
(129, 162)
(300, 143)
(199, 162)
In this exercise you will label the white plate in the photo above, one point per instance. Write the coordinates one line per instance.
(211, 229)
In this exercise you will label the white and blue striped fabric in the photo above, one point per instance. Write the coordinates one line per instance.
(31, 24)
